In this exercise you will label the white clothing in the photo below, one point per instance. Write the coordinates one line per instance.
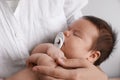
(37, 21)
(41, 20)
(13, 50)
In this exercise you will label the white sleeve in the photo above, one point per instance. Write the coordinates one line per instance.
(13, 51)
(41, 20)
(72, 9)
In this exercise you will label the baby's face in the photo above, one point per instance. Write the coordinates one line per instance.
(79, 38)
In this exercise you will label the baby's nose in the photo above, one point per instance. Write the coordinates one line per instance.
(67, 33)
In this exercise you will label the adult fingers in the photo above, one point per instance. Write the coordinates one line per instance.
(74, 63)
(72, 74)
(44, 77)
(58, 72)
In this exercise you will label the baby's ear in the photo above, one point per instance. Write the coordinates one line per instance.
(93, 56)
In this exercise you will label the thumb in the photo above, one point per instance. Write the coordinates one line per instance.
(74, 63)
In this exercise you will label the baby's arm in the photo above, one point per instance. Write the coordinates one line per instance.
(46, 50)
(41, 48)
(49, 49)
(45, 54)
(40, 59)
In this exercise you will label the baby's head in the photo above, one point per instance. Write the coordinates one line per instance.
(89, 37)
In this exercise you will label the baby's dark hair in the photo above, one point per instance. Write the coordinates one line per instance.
(106, 39)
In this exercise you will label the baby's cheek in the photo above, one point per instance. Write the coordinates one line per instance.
(71, 54)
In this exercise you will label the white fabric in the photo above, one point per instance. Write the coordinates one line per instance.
(42, 19)
(37, 21)
(12, 42)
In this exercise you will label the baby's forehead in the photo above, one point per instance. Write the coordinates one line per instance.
(82, 23)
(85, 27)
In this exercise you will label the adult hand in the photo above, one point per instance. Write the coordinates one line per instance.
(42, 59)
(28, 74)
(73, 69)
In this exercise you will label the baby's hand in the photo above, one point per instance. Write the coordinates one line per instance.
(55, 52)
(49, 49)
(40, 59)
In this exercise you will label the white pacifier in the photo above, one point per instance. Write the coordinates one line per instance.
(59, 40)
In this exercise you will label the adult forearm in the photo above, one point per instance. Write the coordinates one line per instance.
(2, 78)
(26, 74)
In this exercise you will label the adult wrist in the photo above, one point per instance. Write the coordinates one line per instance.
(8, 78)
(5, 79)
(2, 78)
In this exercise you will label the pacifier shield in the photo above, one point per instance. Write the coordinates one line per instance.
(59, 40)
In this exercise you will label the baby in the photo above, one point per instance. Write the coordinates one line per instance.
(89, 37)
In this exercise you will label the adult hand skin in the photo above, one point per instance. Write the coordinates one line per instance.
(27, 74)
(72, 69)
